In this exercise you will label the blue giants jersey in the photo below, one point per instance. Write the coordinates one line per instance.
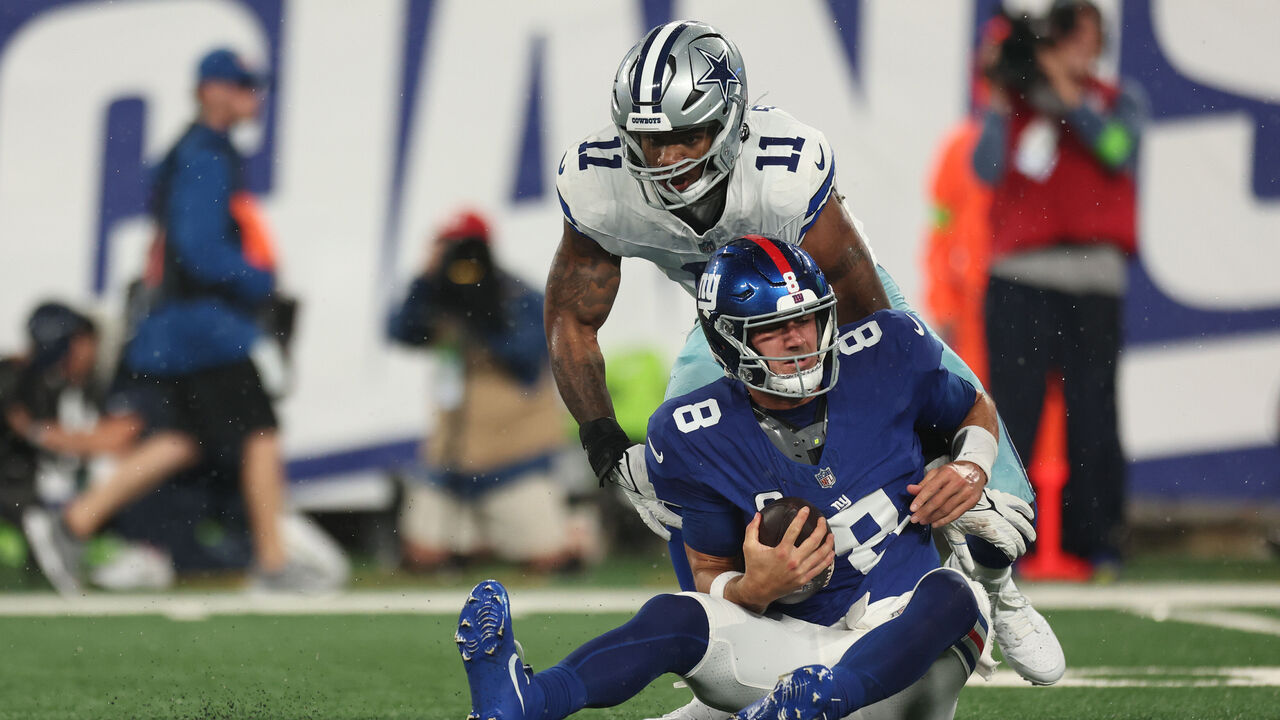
(707, 454)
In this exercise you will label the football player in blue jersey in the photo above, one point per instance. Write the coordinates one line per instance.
(808, 409)
(685, 166)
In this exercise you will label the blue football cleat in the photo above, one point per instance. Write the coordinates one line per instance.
(497, 675)
(803, 695)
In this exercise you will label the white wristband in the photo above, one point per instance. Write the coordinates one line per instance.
(974, 444)
(722, 580)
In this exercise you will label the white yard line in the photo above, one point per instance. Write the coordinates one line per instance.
(1248, 622)
(1159, 677)
(1155, 600)
(192, 606)
(1151, 596)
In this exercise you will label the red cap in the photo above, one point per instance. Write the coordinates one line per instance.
(466, 224)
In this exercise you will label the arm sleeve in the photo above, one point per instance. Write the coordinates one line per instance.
(713, 531)
(989, 153)
(948, 399)
(943, 398)
(1114, 136)
(199, 227)
(412, 322)
(711, 523)
(821, 184)
(522, 348)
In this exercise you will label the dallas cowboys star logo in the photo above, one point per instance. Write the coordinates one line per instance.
(719, 73)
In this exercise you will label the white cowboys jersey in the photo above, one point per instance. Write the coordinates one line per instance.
(781, 181)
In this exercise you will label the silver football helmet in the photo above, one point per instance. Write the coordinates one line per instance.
(680, 76)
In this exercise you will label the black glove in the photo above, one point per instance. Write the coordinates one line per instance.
(605, 443)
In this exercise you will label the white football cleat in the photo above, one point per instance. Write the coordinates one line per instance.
(1024, 636)
(135, 566)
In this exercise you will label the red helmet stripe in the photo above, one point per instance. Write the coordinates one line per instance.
(772, 251)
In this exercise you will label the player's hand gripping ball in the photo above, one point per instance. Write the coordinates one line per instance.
(775, 518)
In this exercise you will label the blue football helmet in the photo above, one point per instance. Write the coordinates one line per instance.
(756, 281)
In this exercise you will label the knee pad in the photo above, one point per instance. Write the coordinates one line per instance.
(948, 588)
(676, 612)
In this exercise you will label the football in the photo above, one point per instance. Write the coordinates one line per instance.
(775, 518)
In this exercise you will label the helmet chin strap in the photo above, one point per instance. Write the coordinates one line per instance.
(799, 384)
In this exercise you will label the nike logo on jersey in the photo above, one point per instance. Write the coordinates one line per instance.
(822, 158)
(656, 455)
(512, 665)
(919, 327)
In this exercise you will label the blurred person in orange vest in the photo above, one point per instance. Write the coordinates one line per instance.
(958, 245)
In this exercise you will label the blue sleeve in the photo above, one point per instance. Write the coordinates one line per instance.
(948, 398)
(988, 154)
(717, 532)
(941, 398)
(944, 398)
(412, 322)
(522, 348)
(1113, 136)
(200, 225)
(711, 523)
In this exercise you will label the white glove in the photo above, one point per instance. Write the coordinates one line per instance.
(632, 475)
(1002, 519)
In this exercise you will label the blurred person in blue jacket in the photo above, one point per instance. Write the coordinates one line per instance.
(499, 424)
(211, 274)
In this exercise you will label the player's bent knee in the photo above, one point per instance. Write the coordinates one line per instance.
(678, 614)
(952, 596)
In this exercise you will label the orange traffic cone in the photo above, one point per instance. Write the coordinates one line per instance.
(1049, 472)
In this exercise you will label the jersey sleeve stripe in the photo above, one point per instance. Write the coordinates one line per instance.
(819, 199)
(564, 206)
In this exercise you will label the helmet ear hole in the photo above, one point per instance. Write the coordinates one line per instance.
(694, 97)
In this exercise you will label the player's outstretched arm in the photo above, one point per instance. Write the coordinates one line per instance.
(946, 492)
(835, 245)
(764, 573)
(581, 288)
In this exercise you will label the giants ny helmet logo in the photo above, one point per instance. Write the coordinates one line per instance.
(707, 286)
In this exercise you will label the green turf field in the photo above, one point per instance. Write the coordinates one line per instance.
(395, 665)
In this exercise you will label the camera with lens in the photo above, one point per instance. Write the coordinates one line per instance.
(1015, 67)
(467, 285)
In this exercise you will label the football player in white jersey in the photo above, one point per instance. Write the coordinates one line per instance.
(685, 167)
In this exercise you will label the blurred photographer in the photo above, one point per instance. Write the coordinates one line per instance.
(499, 424)
(1058, 148)
(47, 397)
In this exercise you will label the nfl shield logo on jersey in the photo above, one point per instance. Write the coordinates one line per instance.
(825, 477)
